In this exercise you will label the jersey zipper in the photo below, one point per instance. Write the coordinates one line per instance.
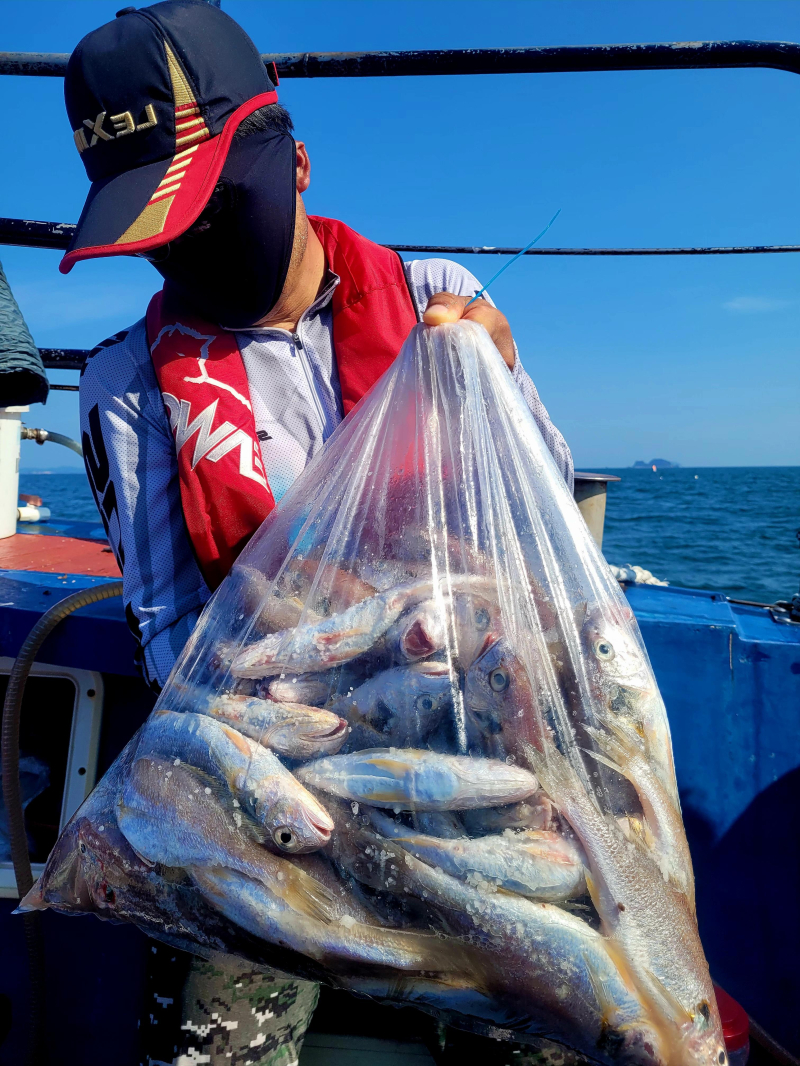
(301, 355)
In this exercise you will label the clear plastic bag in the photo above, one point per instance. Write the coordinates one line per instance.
(415, 748)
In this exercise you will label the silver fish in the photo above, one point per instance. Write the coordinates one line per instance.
(290, 729)
(311, 689)
(537, 961)
(623, 750)
(295, 820)
(466, 621)
(536, 812)
(419, 632)
(535, 864)
(446, 824)
(253, 906)
(177, 816)
(399, 706)
(621, 680)
(648, 921)
(500, 704)
(418, 780)
(344, 636)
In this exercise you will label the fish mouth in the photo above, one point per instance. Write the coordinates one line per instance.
(337, 731)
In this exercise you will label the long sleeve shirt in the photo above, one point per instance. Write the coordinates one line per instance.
(132, 465)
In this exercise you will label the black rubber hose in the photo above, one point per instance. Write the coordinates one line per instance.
(12, 797)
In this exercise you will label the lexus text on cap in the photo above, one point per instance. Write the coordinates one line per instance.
(154, 99)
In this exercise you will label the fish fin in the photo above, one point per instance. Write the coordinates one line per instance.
(557, 775)
(608, 1006)
(629, 737)
(682, 1015)
(597, 736)
(307, 895)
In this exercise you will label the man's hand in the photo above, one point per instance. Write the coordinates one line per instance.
(445, 307)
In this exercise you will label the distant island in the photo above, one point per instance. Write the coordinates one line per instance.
(659, 464)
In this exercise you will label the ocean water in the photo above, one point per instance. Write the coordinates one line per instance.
(730, 529)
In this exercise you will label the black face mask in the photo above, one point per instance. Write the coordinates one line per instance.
(231, 265)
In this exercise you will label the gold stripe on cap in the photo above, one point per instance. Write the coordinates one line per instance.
(149, 224)
(181, 126)
(196, 135)
(180, 86)
(163, 192)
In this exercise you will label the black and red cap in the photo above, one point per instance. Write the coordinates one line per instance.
(154, 99)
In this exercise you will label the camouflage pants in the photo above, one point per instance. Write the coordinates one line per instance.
(222, 1013)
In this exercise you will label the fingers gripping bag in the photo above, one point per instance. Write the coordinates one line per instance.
(414, 747)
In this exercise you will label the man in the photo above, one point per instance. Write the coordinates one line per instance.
(269, 328)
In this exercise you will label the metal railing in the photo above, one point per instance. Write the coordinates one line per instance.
(683, 55)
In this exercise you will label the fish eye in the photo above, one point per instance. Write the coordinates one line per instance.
(721, 1058)
(83, 848)
(109, 894)
(284, 837)
(499, 680)
(603, 650)
(482, 618)
(424, 702)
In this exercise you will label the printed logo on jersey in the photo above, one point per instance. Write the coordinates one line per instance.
(213, 444)
(194, 426)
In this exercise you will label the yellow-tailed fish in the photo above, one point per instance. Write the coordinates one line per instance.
(417, 780)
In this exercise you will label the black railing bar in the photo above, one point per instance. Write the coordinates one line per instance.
(680, 55)
(751, 249)
(63, 358)
(64, 388)
(29, 233)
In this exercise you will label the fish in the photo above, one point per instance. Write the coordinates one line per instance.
(256, 908)
(418, 780)
(501, 709)
(621, 681)
(337, 639)
(92, 869)
(310, 689)
(290, 729)
(269, 608)
(647, 920)
(465, 621)
(536, 812)
(329, 587)
(295, 820)
(419, 632)
(445, 824)
(537, 864)
(623, 750)
(537, 961)
(400, 706)
(178, 816)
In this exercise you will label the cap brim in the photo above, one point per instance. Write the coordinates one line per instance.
(152, 205)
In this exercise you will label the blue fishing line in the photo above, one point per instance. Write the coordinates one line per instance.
(516, 257)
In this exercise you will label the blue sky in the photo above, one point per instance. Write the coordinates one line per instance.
(692, 359)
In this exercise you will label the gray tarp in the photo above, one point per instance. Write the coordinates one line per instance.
(23, 379)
